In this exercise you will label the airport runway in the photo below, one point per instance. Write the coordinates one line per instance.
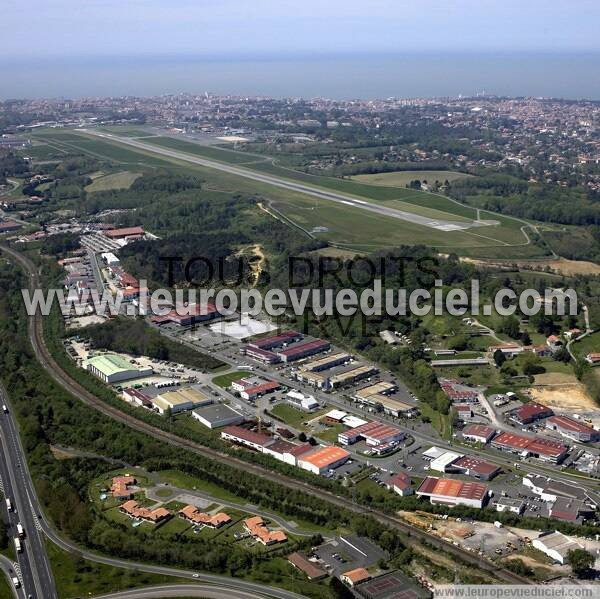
(333, 196)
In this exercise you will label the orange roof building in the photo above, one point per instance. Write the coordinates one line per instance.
(258, 529)
(449, 491)
(120, 487)
(323, 459)
(194, 515)
(133, 509)
(356, 576)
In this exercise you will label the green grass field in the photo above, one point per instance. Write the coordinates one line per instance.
(121, 180)
(78, 577)
(341, 225)
(224, 380)
(403, 178)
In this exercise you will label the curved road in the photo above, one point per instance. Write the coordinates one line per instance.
(182, 590)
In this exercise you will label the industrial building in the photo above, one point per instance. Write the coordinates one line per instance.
(252, 387)
(327, 362)
(544, 449)
(306, 403)
(112, 368)
(186, 316)
(374, 433)
(530, 412)
(573, 429)
(279, 340)
(555, 545)
(262, 355)
(452, 492)
(217, 415)
(242, 436)
(381, 388)
(479, 433)
(180, 400)
(351, 376)
(508, 504)
(303, 350)
(323, 459)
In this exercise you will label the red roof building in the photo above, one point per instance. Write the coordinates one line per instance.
(544, 449)
(242, 436)
(476, 467)
(400, 483)
(479, 433)
(573, 429)
(125, 232)
(276, 340)
(447, 491)
(303, 350)
(530, 412)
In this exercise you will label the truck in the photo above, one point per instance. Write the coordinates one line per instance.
(18, 545)
(20, 531)
(5, 408)
(16, 582)
(8, 505)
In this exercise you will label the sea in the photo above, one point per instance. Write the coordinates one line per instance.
(569, 76)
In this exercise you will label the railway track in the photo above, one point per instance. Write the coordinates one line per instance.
(43, 355)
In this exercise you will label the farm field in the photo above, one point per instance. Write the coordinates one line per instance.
(121, 180)
(342, 225)
(403, 178)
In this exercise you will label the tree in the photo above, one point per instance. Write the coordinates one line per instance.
(510, 326)
(581, 562)
(499, 357)
(562, 355)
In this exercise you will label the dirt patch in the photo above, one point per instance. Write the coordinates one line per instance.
(62, 454)
(560, 266)
(565, 397)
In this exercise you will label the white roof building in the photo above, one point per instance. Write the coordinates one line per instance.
(556, 545)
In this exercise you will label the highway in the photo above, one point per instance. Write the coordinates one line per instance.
(34, 570)
(321, 193)
(31, 515)
(63, 379)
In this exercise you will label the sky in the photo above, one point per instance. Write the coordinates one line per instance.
(42, 30)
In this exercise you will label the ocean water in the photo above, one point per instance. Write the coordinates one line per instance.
(375, 76)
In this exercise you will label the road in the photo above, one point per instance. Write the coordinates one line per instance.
(35, 573)
(323, 194)
(35, 552)
(64, 380)
(199, 590)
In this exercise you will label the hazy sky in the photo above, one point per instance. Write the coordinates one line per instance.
(220, 28)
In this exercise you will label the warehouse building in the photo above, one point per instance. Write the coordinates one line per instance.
(273, 341)
(217, 415)
(475, 467)
(445, 491)
(180, 400)
(374, 433)
(508, 504)
(306, 403)
(381, 388)
(479, 433)
(394, 407)
(544, 449)
(186, 316)
(303, 350)
(252, 387)
(262, 355)
(556, 546)
(572, 429)
(112, 368)
(351, 376)
(242, 436)
(327, 362)
(530, 412)
(323, 459)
